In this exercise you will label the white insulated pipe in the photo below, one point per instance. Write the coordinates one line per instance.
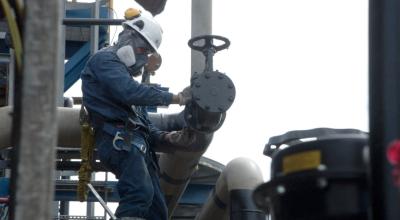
(239, 174)
(69, 132)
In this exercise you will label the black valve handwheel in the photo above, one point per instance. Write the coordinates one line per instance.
(208, 42)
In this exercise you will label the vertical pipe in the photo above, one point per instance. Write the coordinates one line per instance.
(61, 66)
(61, 207)
(94, 46)
(37, 127)
(201, 25)
(94, 35)
(384, 84)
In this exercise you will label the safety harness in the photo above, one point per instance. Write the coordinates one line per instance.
(125, 133)
(87, 148)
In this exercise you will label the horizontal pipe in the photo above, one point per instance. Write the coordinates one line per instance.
(68, 127)
(92, 21)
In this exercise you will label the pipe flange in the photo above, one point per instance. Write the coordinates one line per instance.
(213, 91)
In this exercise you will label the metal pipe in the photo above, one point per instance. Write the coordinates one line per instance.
(68, 127)
(201, 25)
(91, 21)
(177, 168)
(94, 47)
(234, 186)
(168, 122)
(94, 30)
(34, 172)
(61, 66)
(384, 84)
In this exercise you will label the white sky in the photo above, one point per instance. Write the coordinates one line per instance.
(295, 64)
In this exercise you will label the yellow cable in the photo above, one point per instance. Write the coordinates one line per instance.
(15, 34)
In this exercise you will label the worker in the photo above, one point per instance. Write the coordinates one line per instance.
(125, 138)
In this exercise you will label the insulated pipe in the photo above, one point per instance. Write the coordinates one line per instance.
(68, 127)
(168, 122)
(234, 186)
(177, 168)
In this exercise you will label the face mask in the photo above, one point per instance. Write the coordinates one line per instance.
(134, 62)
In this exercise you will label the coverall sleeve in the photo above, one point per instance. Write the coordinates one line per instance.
(116, 80)
(156, 136)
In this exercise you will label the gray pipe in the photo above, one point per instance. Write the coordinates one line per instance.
(68, 127)
(177, 168)
(5, 127)
(168, 122)
(234, 186)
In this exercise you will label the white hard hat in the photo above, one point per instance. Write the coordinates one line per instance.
(147, 27)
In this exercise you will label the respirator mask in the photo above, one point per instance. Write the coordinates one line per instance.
(133, 52)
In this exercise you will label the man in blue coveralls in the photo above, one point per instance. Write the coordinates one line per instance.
(124, 137)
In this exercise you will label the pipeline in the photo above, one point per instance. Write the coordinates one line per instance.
(234, 187)
(177, 168)
(68, 127)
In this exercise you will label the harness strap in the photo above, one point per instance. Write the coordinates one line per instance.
(123, 133)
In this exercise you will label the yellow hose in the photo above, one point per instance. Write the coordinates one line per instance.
(15, 34)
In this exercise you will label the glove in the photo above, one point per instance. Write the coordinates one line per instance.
(180, 139)
(185, 96)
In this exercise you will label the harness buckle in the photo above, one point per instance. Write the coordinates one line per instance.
(142, 148)
(116, 138)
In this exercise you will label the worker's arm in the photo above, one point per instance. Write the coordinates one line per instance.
(115, 78)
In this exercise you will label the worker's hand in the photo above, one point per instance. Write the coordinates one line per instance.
(185, 96)
(181, 140)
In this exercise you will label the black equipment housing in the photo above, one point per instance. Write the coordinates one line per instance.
(321, 179)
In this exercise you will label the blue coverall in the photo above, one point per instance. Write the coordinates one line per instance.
(108, 94)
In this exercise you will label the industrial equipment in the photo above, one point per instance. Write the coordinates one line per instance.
(320, 175)
(213, 92)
